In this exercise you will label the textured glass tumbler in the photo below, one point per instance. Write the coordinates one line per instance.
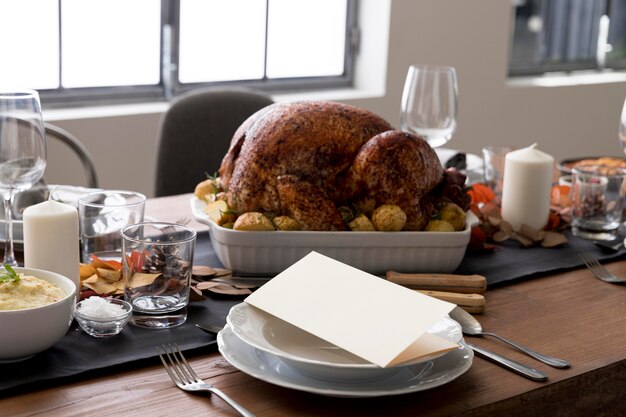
(158, 259)
(102, 214)
(598, 202)
(493, 163)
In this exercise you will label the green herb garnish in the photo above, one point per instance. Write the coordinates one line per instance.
(9, 274)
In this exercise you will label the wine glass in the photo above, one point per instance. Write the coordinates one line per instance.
(429, 103)
(622, 127)
(22, 153)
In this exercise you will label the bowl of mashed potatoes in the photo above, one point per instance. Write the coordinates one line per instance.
(36, 311)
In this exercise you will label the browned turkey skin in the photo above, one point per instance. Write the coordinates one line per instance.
(306, 159)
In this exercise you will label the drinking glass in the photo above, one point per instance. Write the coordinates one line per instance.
(598, 201)
(622, 127)
(157, 264)
(102, 214)
(429, 103)
(22, 153)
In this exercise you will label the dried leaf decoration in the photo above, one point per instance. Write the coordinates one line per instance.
(91, 280)
(221, 288)
(493, 228)
(101, 287)
(101, 277)
(86, 271)
(221, 272)
(203, 271)
(109, 264)
(195, 294)
(108, 274)
(104, 277)
(229, 290)
(206, 285)
(480, 193)
(141, 279)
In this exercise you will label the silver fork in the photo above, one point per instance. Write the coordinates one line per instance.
(183, 221)
(186, 379)
(598, 270)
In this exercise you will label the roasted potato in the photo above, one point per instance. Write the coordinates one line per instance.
(361, 224)
(253, 221)
(388, 218)
(206, 189)
(286, 223)
(439, 226)
(220, 213)
(454, 215)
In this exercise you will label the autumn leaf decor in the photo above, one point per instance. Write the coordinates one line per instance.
(480, 193)
(492, 229)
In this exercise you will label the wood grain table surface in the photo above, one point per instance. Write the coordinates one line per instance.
(570, 315)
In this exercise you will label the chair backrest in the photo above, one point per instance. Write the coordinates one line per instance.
(195, 134)
(62, 135)
(39, 192)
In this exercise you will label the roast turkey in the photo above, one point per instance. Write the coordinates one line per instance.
(307, 159)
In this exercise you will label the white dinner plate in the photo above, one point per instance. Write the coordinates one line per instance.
(270, 368)
(313, 356)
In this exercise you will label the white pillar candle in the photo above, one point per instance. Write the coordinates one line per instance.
(51, 239)
(526, 187)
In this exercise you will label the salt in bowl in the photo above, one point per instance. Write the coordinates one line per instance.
(101, 317)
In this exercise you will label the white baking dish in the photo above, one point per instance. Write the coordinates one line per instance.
(269, 253)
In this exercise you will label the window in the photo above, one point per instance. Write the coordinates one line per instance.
(83, 51)
(568, 35)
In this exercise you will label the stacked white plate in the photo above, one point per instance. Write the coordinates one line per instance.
(277, 352)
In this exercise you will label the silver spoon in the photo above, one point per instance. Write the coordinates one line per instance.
(471, 326)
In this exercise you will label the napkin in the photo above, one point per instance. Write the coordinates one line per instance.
(377, 320)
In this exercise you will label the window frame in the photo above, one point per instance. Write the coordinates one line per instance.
(546, 68)
(169, 86)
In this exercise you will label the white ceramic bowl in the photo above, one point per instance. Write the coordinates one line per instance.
(269, 253)
(27, 332)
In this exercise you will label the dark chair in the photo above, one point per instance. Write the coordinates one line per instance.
(195, 134)
(39, 192)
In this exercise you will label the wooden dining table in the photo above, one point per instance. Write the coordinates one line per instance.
(571, 315)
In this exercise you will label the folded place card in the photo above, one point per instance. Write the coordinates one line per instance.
(375, 319)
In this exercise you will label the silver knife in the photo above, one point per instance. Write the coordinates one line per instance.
(517, 367)
(211, 329)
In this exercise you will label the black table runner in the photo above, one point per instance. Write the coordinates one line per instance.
(78, 352)
(511, 262)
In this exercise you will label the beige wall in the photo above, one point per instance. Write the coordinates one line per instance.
(473, 36)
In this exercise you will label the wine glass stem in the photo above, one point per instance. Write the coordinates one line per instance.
(9, 255)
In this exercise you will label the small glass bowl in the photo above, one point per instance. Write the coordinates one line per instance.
(104, 326)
